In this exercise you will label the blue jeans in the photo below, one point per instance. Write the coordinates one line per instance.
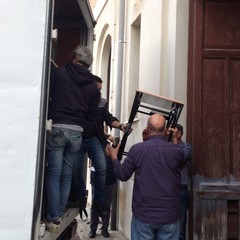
(144, 231)
(63, 147)
(184, 209)
(95, 151)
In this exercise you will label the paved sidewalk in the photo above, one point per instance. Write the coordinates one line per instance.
(83, 230)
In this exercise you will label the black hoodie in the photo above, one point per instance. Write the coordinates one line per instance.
(74, 95)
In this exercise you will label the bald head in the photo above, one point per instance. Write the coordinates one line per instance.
(156, 124)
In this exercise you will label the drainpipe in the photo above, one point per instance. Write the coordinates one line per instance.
(120, 59)
(118, 99)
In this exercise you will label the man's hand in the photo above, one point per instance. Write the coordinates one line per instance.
(112, 152)
(124, 128)
(174, 134)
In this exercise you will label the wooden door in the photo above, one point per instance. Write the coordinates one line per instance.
(214, 118)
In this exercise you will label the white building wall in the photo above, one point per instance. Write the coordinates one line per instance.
(154, 60)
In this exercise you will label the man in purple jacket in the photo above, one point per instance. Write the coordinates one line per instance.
(74, 99)
(156, 163)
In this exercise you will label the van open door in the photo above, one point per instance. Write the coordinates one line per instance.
(72, 24)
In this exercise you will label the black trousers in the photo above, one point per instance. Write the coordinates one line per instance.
(103, 211)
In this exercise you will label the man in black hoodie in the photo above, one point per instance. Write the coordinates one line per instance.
(74, 99)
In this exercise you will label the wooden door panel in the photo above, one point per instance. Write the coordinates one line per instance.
(213, 118)
(214, 79)
(214, 159)
(221, 19)
(235, 117)
(210, 214)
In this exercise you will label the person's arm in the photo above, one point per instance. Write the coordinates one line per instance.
(113, 122)
(93, 108)
(173, 131)
(187, 148)
(119, 125)
(122, 171)
(109, 119)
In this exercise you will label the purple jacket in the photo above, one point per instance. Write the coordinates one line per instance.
(157, 181)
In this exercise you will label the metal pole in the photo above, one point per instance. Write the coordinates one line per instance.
(118, 100)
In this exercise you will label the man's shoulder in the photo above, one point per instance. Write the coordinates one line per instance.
(187, 145)
(138, 145)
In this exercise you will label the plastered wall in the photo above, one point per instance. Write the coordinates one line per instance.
(155, 50)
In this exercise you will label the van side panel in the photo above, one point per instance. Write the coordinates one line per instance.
(22, 27)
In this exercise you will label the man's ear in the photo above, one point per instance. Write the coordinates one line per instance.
(149, 132)
(145, 134)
